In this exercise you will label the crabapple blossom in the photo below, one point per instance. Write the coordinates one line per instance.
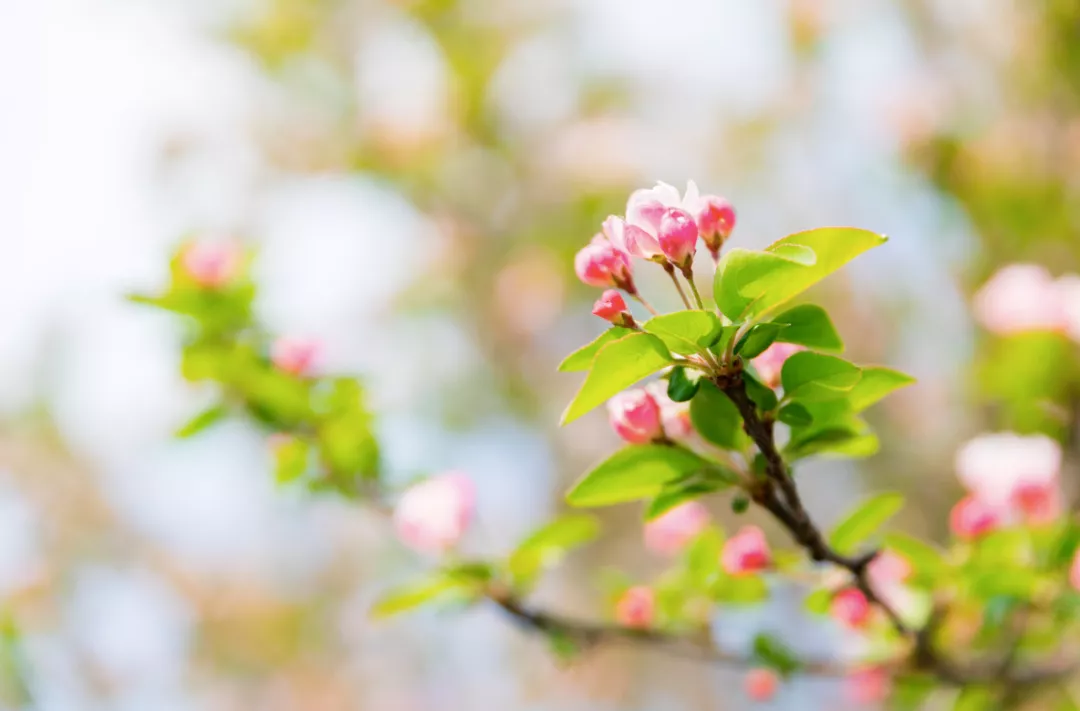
(761, 684)
(670, 532)
(715, 220)
(746, 552)
(675, 416)
(971, 518)
(612, 307)
(296, 356)
(771, 362)
(631, 239)
(635, 416)
(1011, 473)
(211, 265)
(636, 608)
(432, 516)
(851, 608)
(678, 234)
(602, 264)
(1074, 571)
(868, 686)
(1019, 298)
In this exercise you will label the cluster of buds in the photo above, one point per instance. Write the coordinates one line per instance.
(644, 415)
(1021, 298)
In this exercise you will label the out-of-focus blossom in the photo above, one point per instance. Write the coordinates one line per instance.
(971, 518)
(771, 362)
(670, 532)
(432, 516)
(1019, 298)
(636, 608)
(888, 567)
(746, 552)
(635, 416)
(601, 264)
(1069, 293)
(678, 235)
(851, 608)
(1074, 571)
(761, 684)
(612, 307)
(212, 265)
(1012, 474)
(871, 685)
(296, 356)
(675, 416)
(631, 239)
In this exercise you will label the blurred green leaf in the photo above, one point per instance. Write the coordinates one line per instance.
(742, 589)
(680, 491)
(549, 545)
(702, 556)
(818, 602)
(291, 456)
(809, 325)
(686, 332)
(757, 339)
(864, 521)
(975, 698)
(203, 421)
(795, 414)
(910, 692)
(619, 365)
(716, 418)
(582, 358)
(683, 385)
(762, 395)
(811, 377)
(775, 654)
(927, 562)
(636, 472)
(409, 597)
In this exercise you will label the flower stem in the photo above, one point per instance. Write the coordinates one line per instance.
(675, 280)
(688, 272)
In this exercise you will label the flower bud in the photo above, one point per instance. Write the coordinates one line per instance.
(851, 608)
(1020, 298)
(210, 265)
(770, 363)
(746, 552)
(636, 608)
(1039, 503)
(670, 532)
(677, 235)
(971, 519)
(296, 356)
(1008, 471)
(631, 238)
(888, 568)
(675, 416)
(715, 221)
(612, 307)
(601, 264)
(432, 516)
(635, 416)
(868, 686)
(761, 684)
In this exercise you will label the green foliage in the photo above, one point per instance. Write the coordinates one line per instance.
(582, 358)
(758, 338)
(686, 332)
(927, 562)
(548, 546)
(291, 457)
(697, 485)
(202, 421)
(773, 653)
(813, 377)
(716, 418)
(762, 395)
(439, 588)
(637, 472)
(795, 414)
(683, 385)
(809, 325)
(875, 384)
(864, 521)
(618, 365)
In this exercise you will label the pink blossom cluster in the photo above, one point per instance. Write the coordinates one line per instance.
(644, 415)
(1025, 297)
(1010, 478)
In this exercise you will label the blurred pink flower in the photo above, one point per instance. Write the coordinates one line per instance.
(887, 568)
(1069, 292)
(851, 608)
(970, 518)
(770, 363)
(212, 265)
(636, 608)
(296, 356)
(761, 684)
(746, 552)
(871, 685)
(1011, 473)
(635, 416)
(432, 516)
(670, 532)
(601, 264)
(1019, 298)
(1074, 571)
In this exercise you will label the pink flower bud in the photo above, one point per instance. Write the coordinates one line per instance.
(612, 307)
(635, 416)
(770, 363)
(851, 608)
(715, 220)
(746, 552)
(972, 518)
(761, 684)
(601, 264)
(1074, 572)
(631, 238)
(670, 532)
(1039, 503)
(888, 568)
(678, 236)
(1019, 298)
(296, 356)
(868, 686)
(211, 265)
(636, 608)
(674, 415)
(432, 516)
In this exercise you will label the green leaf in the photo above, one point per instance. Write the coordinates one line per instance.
(742, 590)
(291, 456)
(757, 339)
(812, 377)
(549, 545)
(702, 555)
(762, 395)
(727, 335)
(927, 562)
(582, 358)
(795, 414)
(682, 386)
(911, 692)
(637, 472)
(864, 521)
(696, 486)
(775, 654)
(875, 384)
(749, 284)
(686, 332)
(619, 365)
(795, 253)
(818, 602)
(809, 325)
(716, 418)
(410, 597)
(203, 421)
(976, 698)
(849, 438)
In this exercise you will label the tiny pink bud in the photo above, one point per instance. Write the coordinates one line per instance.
(670, 532)
(746, 552)
(678, 236)
(851, 608)
(211, 265)
(432, 516)
(636, 608)
(868, 686)
(1074, 571)
(715, 220)
(770, 363)
(761, 684)
(635, 416)
(631, 239)
(971, 519)
(296, 356)
(601, 264)
(612, 307)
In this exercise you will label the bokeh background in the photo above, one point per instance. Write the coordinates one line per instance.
(416, 177)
